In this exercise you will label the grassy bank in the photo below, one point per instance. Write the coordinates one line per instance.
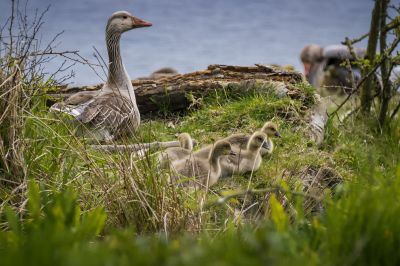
(337, 205)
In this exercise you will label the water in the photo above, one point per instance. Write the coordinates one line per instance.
(191, 34)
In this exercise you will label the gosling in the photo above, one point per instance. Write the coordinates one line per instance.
(176, 153)
(240, 141)
(206, 171)
(249, 159)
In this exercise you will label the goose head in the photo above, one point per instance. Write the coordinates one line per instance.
(257, 141)
(185, 141)
(122, 21)
(221, 148)
(311, 55)
(271, 130)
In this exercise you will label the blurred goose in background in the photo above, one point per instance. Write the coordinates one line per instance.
(311, 57)
(335, 73)
(206, 171)
(324, 66)
(395, 78)
(160, 73)
(177, 153)
(113, 111)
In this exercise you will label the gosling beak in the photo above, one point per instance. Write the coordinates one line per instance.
(277, 134)
(265, 145)
(139, 23)
(232, 153)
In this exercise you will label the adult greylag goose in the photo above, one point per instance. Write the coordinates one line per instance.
(323, 66)
(312, 56)
(177, 153)
(337, 75)
(164, 72)
(112, 112)
(206, 171)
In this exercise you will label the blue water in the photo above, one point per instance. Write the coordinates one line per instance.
(191, 34)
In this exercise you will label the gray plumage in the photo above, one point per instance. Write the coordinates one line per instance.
(111, 112)
(341, 52)
(176, 153)
(239, 141)
(203, 171)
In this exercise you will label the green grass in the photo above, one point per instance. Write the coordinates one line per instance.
(82, 207)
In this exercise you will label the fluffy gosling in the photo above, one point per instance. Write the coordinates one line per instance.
(240, 141)
(176, 153)
(249, 159)
(206, 171)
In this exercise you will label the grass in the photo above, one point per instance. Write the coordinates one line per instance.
(84, 207)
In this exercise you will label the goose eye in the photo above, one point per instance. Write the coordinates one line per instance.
(124, 17)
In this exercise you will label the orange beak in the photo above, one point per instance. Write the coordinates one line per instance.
(307, 67)
(139, 23)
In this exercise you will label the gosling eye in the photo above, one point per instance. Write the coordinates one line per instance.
(125, 17)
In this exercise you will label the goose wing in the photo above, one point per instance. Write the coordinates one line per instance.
(75, 104)
(112, 112)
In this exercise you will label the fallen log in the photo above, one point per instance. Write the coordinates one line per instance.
(179, 92)
(182, 91)
(318, 117)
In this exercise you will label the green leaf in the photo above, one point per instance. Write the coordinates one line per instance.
(12, 219)
(34, 203)
(278, 215)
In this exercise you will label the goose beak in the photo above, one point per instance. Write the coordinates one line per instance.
(139, 23)
(277, 134)
(265, 145)
(307, 68)
(232, 153)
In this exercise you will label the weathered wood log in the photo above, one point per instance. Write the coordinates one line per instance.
(318, 117)
(178, 92)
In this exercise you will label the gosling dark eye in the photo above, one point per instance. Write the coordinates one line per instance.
(125, 17)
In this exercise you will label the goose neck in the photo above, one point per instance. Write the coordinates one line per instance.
(116, 72)
(215, 164)
(252, 147)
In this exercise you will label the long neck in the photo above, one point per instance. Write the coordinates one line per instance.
(116, 73)
(252, 147)
(213, 159)
(188, 144)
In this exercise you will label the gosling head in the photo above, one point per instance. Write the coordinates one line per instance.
(122, 21)
(271, 129)
(221, 148)
(258, 140)
(185, 141)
